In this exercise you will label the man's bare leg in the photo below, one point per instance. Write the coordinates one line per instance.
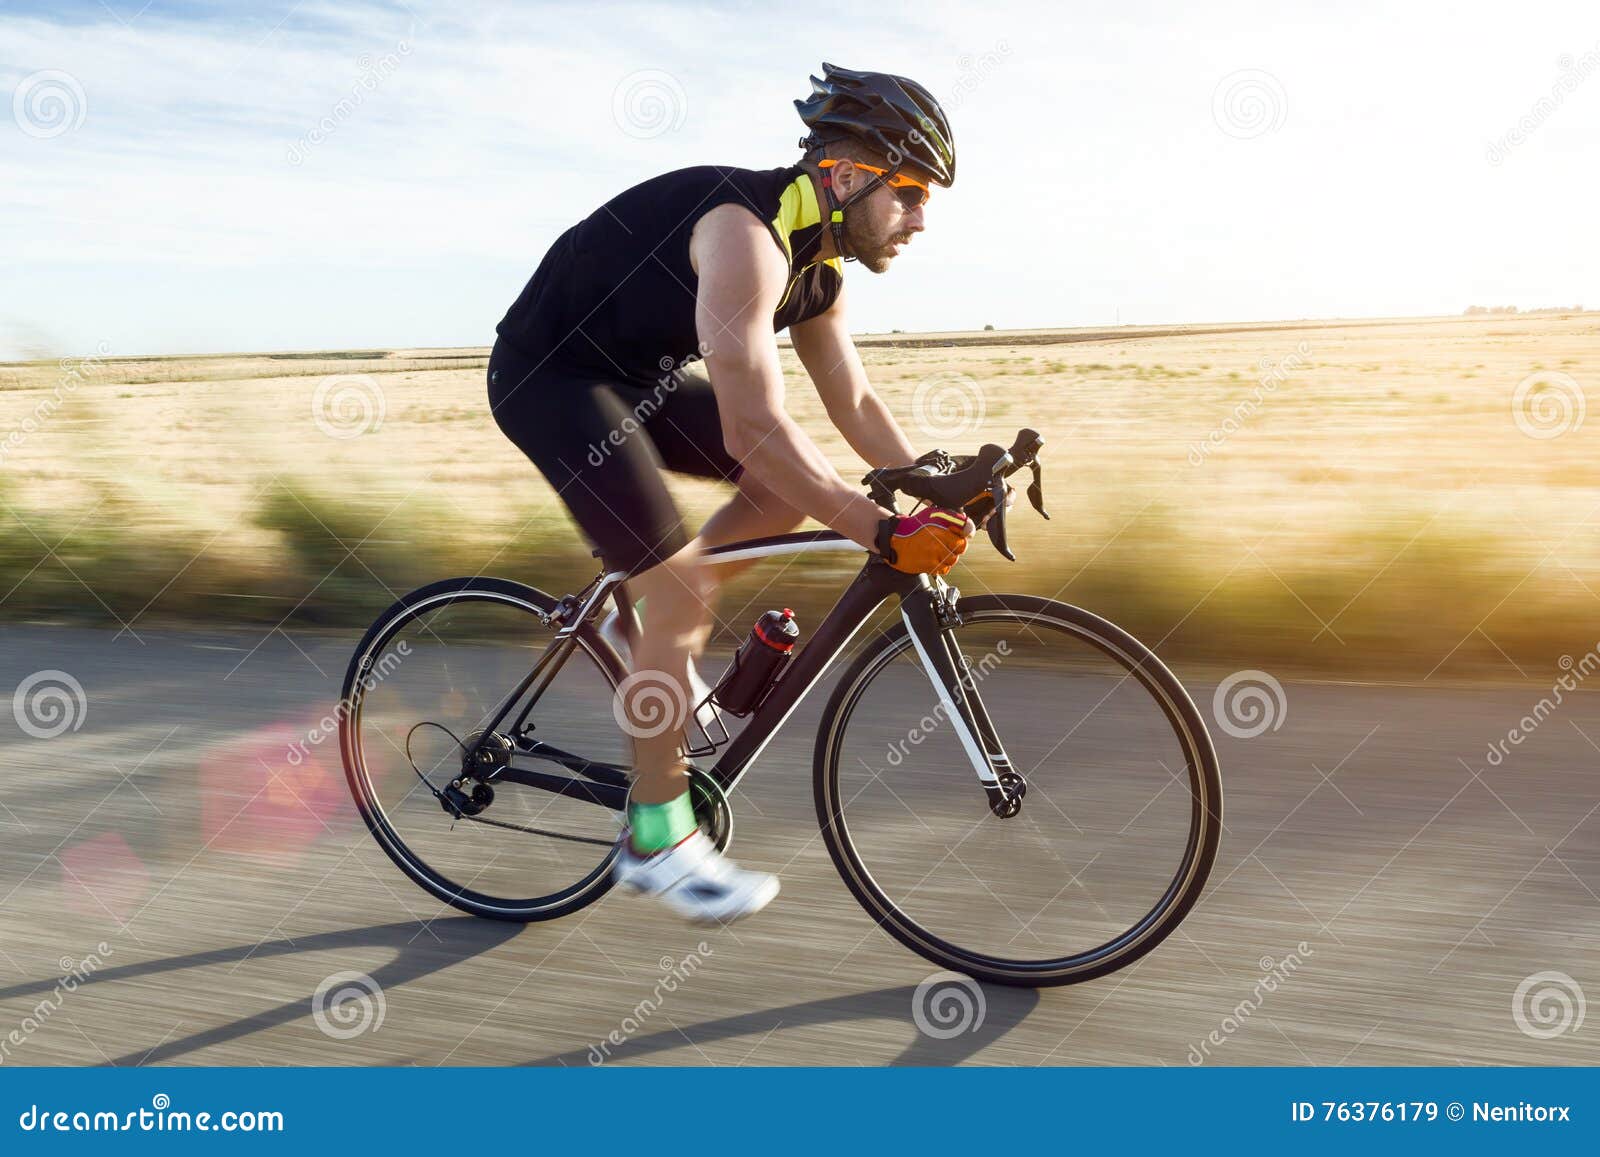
(679, 595)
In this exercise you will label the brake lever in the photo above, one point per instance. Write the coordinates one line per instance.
(997, 520)
(1036, 489)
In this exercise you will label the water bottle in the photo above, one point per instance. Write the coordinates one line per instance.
(757, 663)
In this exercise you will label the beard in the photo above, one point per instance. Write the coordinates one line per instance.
(872, 252)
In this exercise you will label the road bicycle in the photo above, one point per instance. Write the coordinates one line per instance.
(1011, 787)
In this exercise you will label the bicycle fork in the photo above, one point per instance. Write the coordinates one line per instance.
(926, 613)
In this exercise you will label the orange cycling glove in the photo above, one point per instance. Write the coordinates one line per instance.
(928, 542)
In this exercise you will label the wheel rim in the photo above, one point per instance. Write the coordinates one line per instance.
(413, 827)
(880, 881)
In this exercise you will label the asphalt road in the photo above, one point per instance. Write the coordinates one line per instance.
(1382, 893)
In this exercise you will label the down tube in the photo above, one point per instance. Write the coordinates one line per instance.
(876, 582)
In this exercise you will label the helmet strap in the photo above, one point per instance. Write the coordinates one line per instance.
(836, 207)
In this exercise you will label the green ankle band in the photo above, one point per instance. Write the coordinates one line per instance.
(657, 826)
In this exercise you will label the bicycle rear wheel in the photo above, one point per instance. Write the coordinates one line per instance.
(421, 686)
(1119, 822)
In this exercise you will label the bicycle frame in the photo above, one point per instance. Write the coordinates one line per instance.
(926, 605)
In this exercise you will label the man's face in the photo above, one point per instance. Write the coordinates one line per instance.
(878, 226)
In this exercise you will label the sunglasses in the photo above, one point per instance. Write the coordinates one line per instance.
(911, 193)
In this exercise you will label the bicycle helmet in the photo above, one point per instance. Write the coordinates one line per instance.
(893, 115)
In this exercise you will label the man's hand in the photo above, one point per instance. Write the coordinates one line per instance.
(928, 542)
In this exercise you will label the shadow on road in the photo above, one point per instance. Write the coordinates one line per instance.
(459, 938)
(1005, 1009)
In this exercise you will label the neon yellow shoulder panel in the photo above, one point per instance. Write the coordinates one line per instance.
(798, 209)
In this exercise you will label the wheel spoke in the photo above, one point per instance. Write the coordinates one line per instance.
(459, 656)
(1110, 857)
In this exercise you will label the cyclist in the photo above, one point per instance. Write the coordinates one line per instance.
(588, 377)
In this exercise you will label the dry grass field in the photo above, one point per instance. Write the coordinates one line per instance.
(1402, 499)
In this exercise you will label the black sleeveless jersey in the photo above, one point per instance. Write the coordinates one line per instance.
(615, 294)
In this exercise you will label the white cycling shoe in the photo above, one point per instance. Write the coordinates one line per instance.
(695, 880)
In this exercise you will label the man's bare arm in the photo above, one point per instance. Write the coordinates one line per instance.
(743, 277)
(829, 356)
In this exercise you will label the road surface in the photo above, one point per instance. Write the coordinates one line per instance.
(1383, 891)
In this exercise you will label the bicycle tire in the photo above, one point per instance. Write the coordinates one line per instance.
(527, 909)
(1142, 664)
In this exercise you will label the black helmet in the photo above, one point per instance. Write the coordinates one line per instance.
(893, 115)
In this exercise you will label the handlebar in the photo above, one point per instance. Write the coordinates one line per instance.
(958, 484)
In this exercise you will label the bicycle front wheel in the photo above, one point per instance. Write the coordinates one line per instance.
(1119, 822)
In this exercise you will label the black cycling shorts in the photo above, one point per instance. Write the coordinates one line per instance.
(603, 445)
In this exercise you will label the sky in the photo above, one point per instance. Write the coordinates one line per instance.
(188, 178)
